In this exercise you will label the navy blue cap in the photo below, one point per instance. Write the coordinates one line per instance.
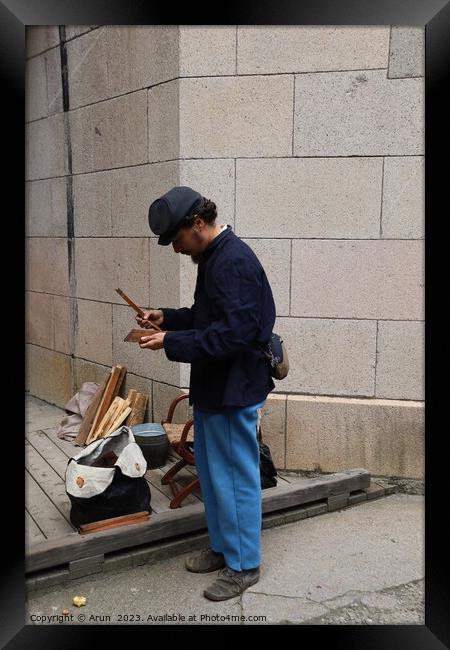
(167, 214)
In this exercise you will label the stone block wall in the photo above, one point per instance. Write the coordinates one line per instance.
(310, 139)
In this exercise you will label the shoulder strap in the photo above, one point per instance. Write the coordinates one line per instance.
(254, 344)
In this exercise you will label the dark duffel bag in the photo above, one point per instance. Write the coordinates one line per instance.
(106, 479)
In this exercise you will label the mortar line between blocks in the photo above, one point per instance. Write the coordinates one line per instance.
(143, 163)
(381, 200)
(376, 363)
(389, 51)
(216, 76)
(293, 115)
(236, 51)
(285, 430)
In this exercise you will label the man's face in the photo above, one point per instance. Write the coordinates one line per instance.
(191, 241)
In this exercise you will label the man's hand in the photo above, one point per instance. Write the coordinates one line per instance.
(153, 341)
(150, 316)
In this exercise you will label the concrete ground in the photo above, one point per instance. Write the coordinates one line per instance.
(362, 565)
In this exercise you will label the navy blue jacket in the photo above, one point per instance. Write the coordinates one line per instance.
(233, 307)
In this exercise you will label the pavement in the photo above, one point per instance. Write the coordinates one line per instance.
(362, 565)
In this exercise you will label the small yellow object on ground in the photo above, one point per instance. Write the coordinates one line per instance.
(79, 601)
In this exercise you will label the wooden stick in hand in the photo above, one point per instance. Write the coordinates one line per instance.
(131, 303)
(137, 309)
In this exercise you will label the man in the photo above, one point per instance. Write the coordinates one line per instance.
(230, 378)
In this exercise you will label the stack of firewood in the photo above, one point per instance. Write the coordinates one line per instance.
(108, 411)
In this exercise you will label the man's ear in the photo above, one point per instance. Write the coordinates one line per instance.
(199, 222)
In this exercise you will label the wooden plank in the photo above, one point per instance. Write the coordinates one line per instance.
(104, 405)
(139, 407)
(132, 394)
(33, 533)
(66, 447)
(40, 414)
(337, 501)
(87, 566)
(53, 552)
(170, 463)
(155, 476)
(114, 522)
(91, 412)
(118, 420)
(134, 335)
(374, 490)
(44, 512)
(123, 372)
(110, 414)
(182, 479)
(49, 481)
(117, 387)
(158, 500)
(131, 397)
(292, 478)
(184, 476)
(313, 489)
(111, 391)
(56, 458)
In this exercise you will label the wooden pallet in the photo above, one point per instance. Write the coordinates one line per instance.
(52, 540)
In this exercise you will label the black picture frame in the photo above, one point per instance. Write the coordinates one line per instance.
(434, 15)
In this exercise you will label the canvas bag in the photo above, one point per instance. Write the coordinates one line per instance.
(97, 493)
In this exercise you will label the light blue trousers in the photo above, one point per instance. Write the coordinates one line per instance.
(227, 460)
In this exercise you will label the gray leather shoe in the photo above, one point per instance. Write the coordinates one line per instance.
(231, 583)
(204, 561)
